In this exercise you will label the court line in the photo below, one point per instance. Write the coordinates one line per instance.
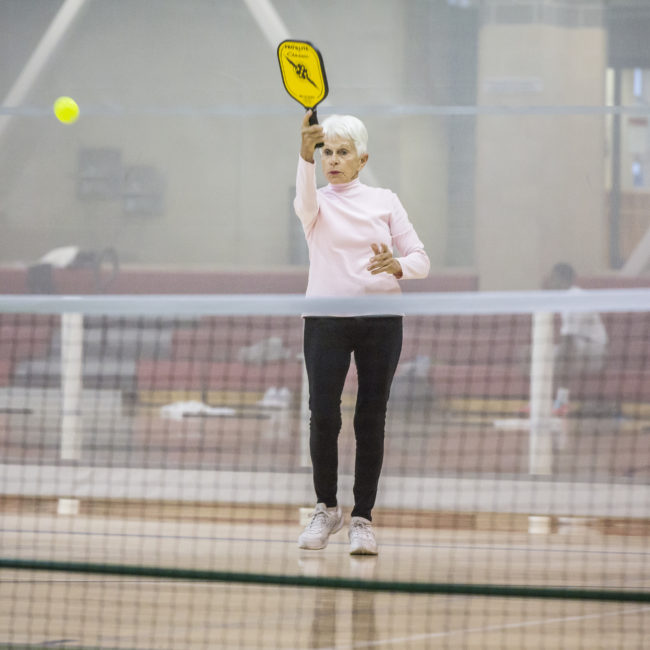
(489, 628)
(201, 538)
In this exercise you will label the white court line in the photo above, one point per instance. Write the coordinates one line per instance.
(489, 628)
(290, 541)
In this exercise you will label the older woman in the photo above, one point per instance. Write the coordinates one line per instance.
(350, 230)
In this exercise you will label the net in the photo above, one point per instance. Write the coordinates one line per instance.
(155, 475)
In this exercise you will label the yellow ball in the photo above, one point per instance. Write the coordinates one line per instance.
(66, 110)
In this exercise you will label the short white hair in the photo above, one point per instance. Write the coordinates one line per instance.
(350, 127)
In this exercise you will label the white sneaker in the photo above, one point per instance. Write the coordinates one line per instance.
(324, 522)
(362, 537)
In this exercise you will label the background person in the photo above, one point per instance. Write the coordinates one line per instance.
(582, 346)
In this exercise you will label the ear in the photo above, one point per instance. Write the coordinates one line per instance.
(364, 160)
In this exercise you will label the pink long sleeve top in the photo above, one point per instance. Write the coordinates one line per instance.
(341, 221)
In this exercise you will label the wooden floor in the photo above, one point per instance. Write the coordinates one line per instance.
(65, 610)
(48, 610)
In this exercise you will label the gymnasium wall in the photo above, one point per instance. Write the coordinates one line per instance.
(487, 118)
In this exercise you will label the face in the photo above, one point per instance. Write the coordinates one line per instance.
(341, 163)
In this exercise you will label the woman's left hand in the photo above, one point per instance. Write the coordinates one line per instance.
(384, 262)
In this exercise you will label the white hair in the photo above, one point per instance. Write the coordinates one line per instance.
(350, 127)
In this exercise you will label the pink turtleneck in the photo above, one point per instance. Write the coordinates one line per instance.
(341, 221)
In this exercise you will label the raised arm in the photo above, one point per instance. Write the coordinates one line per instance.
(311, 135)
(306, 202)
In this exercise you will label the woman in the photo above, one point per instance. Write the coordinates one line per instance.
(350, 230)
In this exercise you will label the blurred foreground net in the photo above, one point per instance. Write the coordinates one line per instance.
(166, 438)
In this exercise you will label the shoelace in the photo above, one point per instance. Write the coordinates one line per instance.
(318, 522)
(362, 530)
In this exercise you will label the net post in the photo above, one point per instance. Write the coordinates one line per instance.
(540, 461)
(71, 389)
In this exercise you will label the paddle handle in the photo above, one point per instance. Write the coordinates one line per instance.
(313, 119)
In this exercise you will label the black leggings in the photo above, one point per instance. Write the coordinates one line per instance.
(376, 342)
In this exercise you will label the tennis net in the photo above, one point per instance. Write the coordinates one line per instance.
(155, 474)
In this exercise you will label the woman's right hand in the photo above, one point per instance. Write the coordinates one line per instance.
(311, 134)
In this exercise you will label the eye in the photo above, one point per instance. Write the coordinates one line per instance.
(327, 152)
